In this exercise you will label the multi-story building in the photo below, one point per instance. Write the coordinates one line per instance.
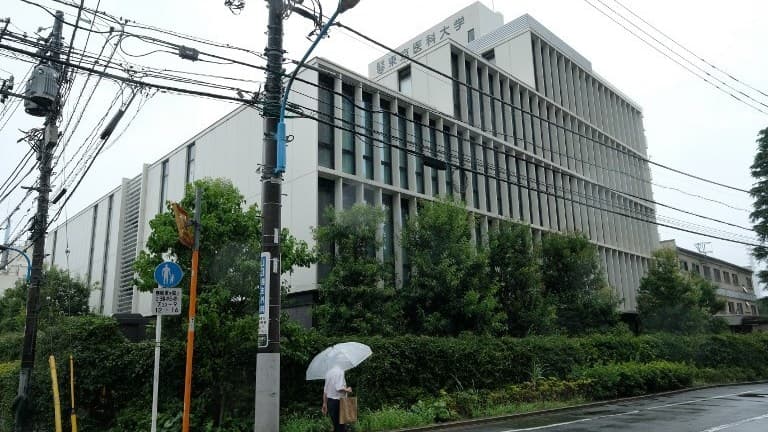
(507, 118)
(734, 285)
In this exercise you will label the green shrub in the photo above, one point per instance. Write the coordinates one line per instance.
(634, 379)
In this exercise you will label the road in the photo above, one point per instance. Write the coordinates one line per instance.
(733, 409)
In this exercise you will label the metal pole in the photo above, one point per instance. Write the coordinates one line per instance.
(72, 413)
(267, 407)
(56, 400)
(192, 306)
(45, 154)
(156, 379)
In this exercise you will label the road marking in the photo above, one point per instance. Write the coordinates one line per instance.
(699, 400)
(572, 422)
(738, 423)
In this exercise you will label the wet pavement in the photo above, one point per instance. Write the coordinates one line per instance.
(733, 409)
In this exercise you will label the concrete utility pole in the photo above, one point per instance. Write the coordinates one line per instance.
(268, 358)
(44, 92)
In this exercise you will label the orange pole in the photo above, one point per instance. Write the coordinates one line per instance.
(192, 308)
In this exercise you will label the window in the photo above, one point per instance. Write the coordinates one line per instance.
(754, 309)
(369, 196)
(348, 195)
(189, 176)
(456, 91)
(433, 153)
(749, 283)
(717, 277)
(492, 91)
(326, 130)
(348, 135)
(475, 186)
(695, 269)
(404, 82)
(386, 147)
(163, 185)
(368, 129)
(490, 56)
(325, 204)
(731, 307)
(470, 106)
(419, 159)
(740, 308)
(684, 265)
(448, 162)
(470, 35)
(403, 143)
(404, 208)
(481, 97)
(726, 277)
(735, 279)
(707, 273)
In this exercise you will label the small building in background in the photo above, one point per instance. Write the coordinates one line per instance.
(734, 285)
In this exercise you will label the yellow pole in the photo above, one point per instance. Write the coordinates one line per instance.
(191, 325)
(72, 414)
(56, 402)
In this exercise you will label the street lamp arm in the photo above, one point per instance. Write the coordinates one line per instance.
(280, 165)
(20, 252)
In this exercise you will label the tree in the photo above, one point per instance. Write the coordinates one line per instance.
(669, 300)
(450, 290)
(60, 295)
(517, 273)
(357, 296)
(759, 193)
(226, 324)
(573, 277)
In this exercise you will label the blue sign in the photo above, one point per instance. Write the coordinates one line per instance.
(168, 274)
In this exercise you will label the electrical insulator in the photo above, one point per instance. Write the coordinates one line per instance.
(42, 90)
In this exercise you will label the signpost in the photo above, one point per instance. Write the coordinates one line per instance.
(264, 300)
(166, 300)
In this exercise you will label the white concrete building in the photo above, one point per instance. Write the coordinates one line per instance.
(541, 139)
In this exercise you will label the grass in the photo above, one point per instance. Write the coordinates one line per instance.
(397, 418)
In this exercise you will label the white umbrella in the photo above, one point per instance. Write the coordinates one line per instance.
(344, 355)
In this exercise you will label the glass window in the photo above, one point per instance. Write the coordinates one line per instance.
(481, 97)
(419, 138)
(475, 186)
(707, 273)
(492, 91)
(433, 153)
(347, 134)
(470, 106)
(403, 144)
(386, 147)
(325, 136)
(404, 80)
(726, 277)
(189, 176)
(695, 268)
(448, 163)
(369, 197)
(404, 213)
(470, 35)
(739, 308)
(716, 274)
(456, 90)
(348, 195)
(731, 308)
(754, 310)
(735, 279)
(389, 227)
(368, 127)
(163, 185)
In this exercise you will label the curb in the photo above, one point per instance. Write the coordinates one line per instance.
(484, 420)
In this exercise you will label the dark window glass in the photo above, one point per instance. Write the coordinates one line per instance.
(325, 141)
(347, 134)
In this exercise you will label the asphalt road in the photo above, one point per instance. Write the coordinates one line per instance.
(732, 409)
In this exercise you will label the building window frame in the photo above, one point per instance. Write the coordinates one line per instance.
(189, 174)
(163, 184)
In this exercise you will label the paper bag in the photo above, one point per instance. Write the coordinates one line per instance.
(348, 410)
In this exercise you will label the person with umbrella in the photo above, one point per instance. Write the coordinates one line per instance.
(330, 366)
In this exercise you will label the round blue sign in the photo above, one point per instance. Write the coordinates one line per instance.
(168, 274)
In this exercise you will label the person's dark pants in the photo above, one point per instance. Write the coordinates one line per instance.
(333, 410)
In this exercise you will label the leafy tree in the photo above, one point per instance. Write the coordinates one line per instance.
(517, 272)
(573, 277)
(759, 192)
(450, 289)
(357, 296)
(669, 300)
(226, 325)
(60, 295)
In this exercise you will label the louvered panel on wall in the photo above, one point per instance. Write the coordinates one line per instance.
(128, 246)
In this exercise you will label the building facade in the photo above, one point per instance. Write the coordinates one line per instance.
(734, 284)
(507, 118)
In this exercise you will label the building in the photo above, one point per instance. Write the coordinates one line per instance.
(734, 285)
(516, 124)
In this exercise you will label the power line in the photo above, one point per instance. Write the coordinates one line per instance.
(660, 51)
(495, 98)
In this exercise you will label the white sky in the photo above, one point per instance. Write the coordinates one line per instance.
(689, 124)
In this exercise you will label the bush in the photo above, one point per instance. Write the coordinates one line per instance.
(634, 379)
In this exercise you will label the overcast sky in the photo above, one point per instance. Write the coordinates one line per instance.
(689, 124)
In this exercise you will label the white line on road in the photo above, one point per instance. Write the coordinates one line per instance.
(703, 399)
(572, 422)
(740, 422)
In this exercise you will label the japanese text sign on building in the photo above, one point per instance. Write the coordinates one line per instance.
(166, 301)
(264, 300)
(422, 43)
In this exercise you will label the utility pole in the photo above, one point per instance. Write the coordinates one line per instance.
(268, 358)
(4, 257)
(44, 93)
